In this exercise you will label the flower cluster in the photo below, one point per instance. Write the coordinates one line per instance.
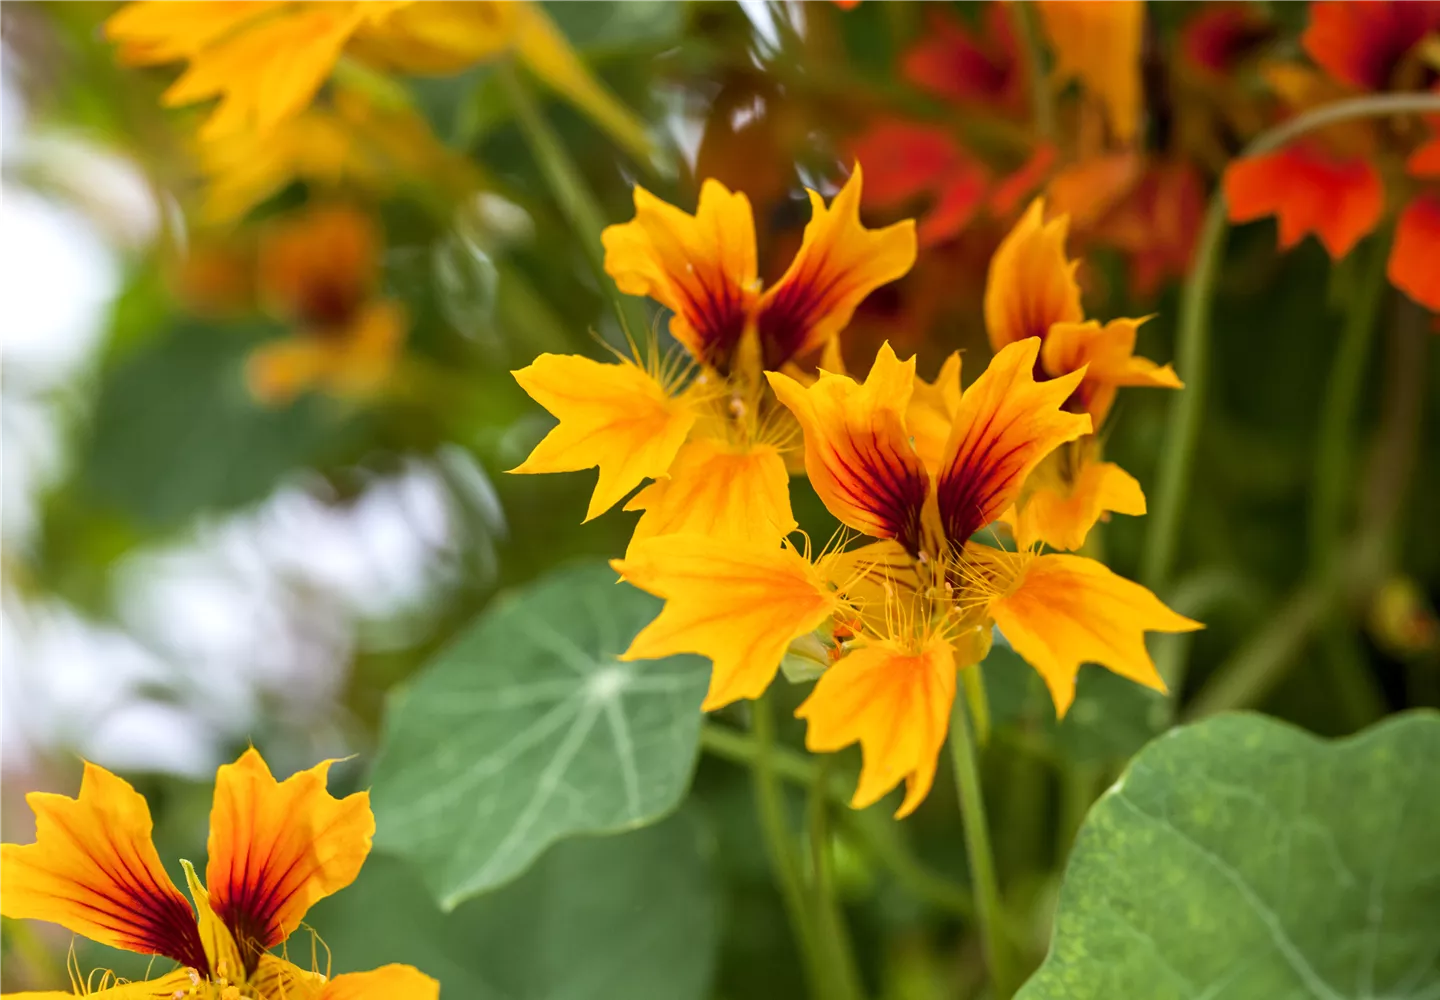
(276, 848)
(914, 470)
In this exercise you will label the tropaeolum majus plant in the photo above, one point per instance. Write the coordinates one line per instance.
(914, 470)
(275, 849)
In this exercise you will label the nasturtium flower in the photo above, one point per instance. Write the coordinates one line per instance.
(1031, 292)
(275, 849)
(265, 60)
(920, 599)
(706, 428)
(319, 270)
(1098, 42)
(1331, 182)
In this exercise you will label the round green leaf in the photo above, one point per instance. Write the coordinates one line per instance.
(611, 918)
(529, 729)
(1243, 859)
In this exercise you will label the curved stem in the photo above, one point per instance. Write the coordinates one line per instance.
(770, 806)
(1193, 334)
(829, 920)
(978, 850)
(1023, 14)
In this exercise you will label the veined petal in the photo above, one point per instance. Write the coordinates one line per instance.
(1414, 265)
(275, 978)
(896, 703)
(857, 448)
(277, 847)
(1099, 45)
(739, 604)
(1308, 191)
(1067, 610)
(173, 984)
(223, 953)
(1031, 284)
(839, 263)
(1006, 423)
(719, 492)
(1363, 45)
(614, 416)
(701, 266)
(389, 982)
(1107, 353)
(94, 870)
(1067, 493)
(932, 411)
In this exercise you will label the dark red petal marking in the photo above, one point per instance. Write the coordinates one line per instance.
(717, 312)
(786, 320)
(888, 485)
(971, 490)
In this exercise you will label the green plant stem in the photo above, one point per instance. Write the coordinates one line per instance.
(828, 918)
(1041, 108)
(973, 680)
(1193, 334)
(978, 852)
(880, 837)
(1335, 436)
(576, 201)
(770, 806)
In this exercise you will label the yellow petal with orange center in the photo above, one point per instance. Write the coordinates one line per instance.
(895, 702)
(720, 492)
(1005, 424)
(739, 604)
(1065, 610)
(616, 417)
(94, 870)
(278, 847)
(1031, 284)
(858, 453)
(1098, 43)
(839, 263)
(701, 266)
(1108, 355)
(1067, 493)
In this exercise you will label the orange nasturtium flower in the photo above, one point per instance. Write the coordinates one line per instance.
(1097, 42)
(320, 271)
(920, 600)
(713, 444)
(1328, 182)
(275, 849)
(266, 59)
(1031, 292)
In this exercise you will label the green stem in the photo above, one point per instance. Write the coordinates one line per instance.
(576, 201)
(829, 920)
(1335, 437)
(978, 852)
(770, 806)
(881, 838)
(1193, 334)
(1043, 111)
(973, 679)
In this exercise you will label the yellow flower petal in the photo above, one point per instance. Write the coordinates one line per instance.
(858, 453)
(370, 349)
(896, 703)
(174, 984)
(1031, 284)
(276, 848)
(718, 492)
(389, 982)
(94, 870)
(1062, 501)
(226, 961)
(1098, 43)
(839, 263)
(1005, 424)
(612, 416)
(932, 412)
(159, 31)
(739, 604)
(1109, 353)
(1066, 610)
(701, 266)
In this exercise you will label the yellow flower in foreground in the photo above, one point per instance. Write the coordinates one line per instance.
(910, 608)
(713, 446)
(275, 849)
(266, 59)
(1097, 42)
(1031, 291)
(320, 271)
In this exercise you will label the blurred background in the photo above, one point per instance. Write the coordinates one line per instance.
(257, 413)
